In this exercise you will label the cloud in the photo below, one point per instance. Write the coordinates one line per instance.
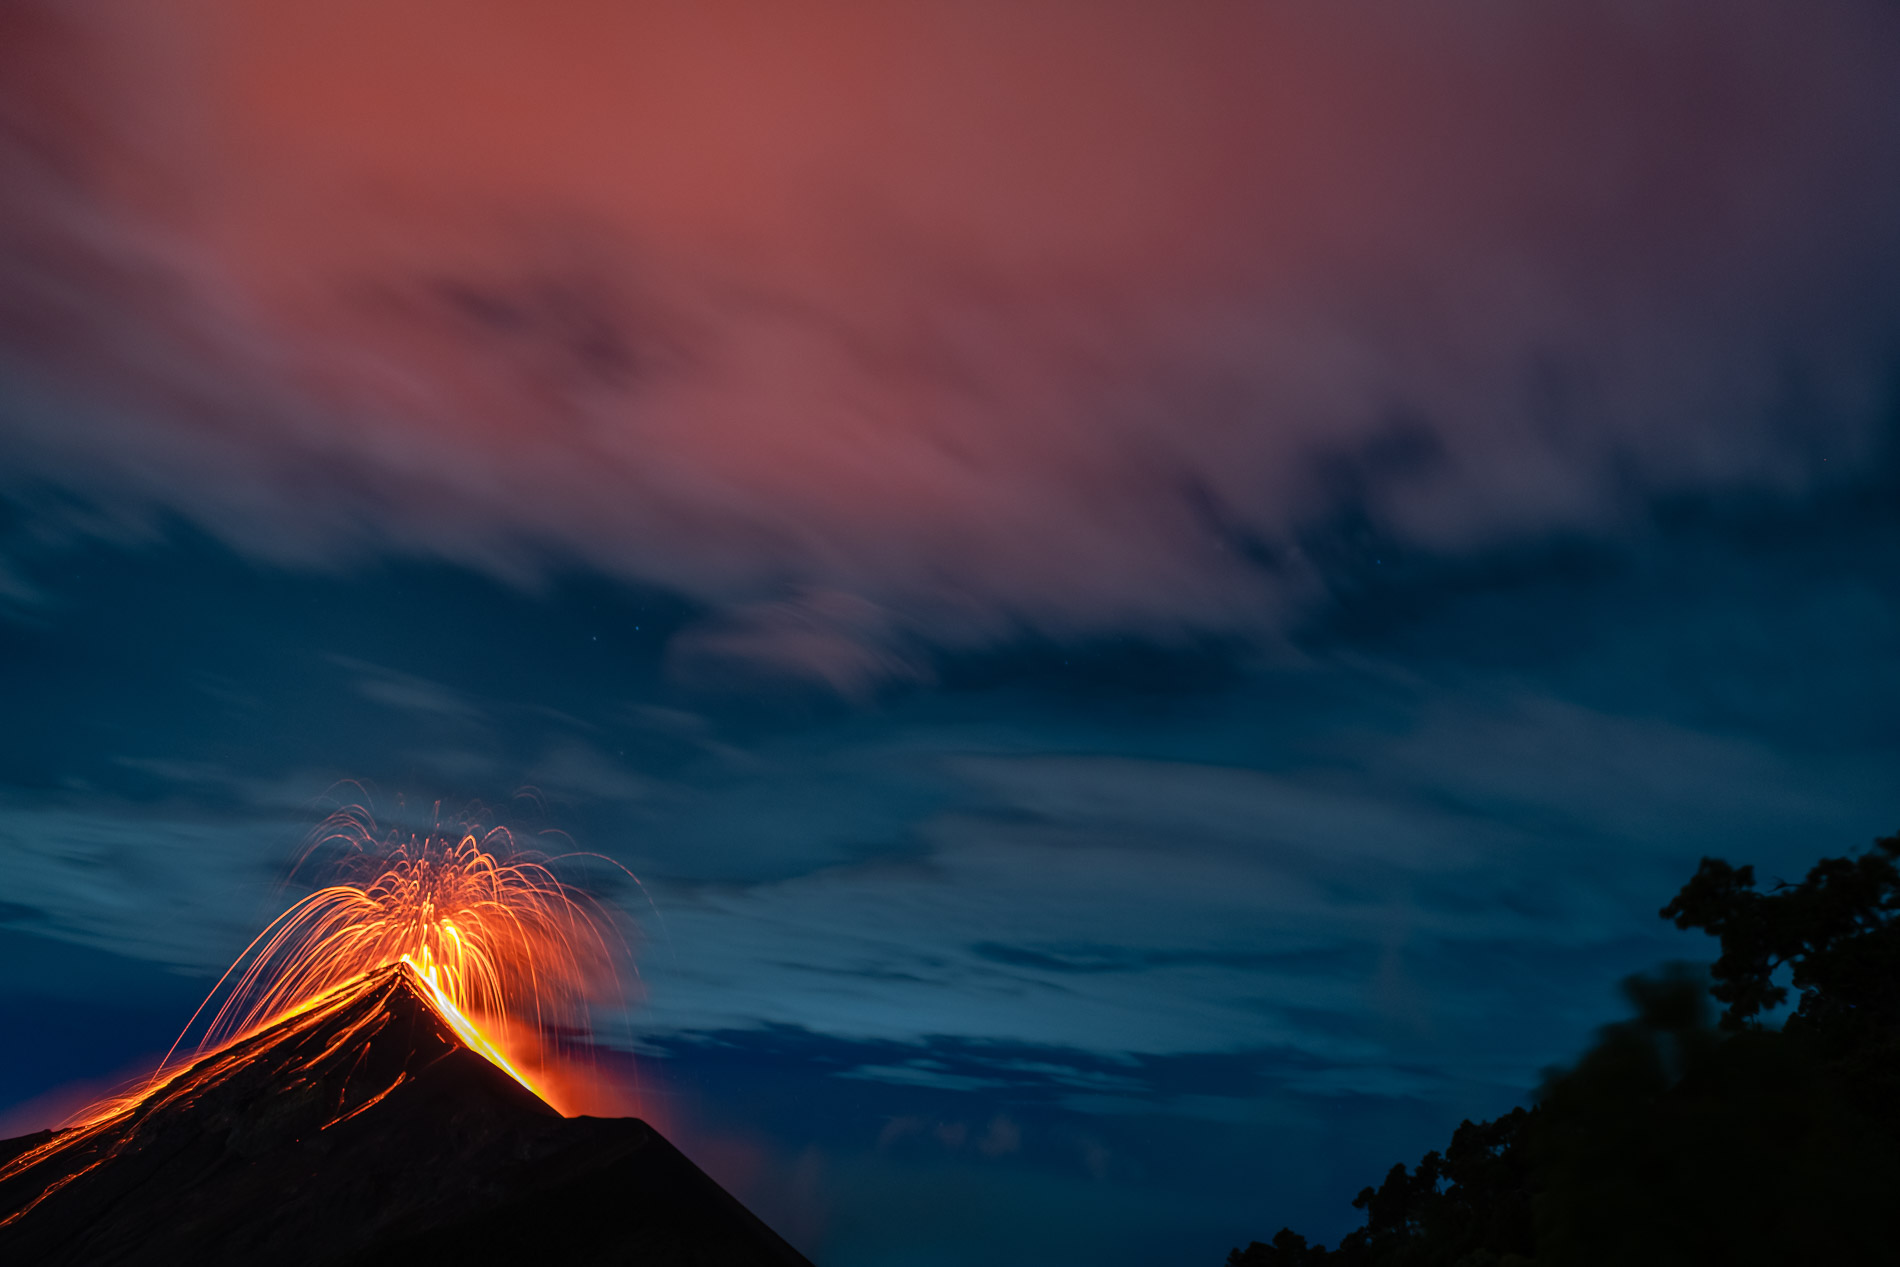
(406, 692)
(1434, 889)
(186, 891)
(1375, 891)
(579, 770)
(884, 328)
(1002, 1137)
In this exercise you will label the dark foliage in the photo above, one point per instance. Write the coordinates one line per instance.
(1673, 1141)
(1837, 935)
(1678, 1140)
(1469, 1206)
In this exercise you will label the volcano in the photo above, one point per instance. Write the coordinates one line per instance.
(363, 1129)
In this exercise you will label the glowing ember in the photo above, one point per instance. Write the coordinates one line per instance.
(492, 936)
(505, 953)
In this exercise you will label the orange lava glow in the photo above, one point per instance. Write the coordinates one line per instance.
(498, 943)
(508, 955)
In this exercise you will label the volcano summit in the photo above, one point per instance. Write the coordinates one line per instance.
(363, 1129)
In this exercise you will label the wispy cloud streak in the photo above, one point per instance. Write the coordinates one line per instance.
(911, 326)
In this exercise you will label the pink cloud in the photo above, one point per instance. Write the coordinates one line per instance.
(878, 327)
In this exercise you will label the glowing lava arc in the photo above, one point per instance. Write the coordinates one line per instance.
(490, 934)
(464, 1028)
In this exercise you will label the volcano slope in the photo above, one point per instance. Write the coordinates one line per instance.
(363, 1131)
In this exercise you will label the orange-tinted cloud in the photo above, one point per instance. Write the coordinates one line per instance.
(884, 326)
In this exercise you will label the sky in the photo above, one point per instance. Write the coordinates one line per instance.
(1156, 595)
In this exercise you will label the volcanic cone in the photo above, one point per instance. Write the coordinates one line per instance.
(363, 1130)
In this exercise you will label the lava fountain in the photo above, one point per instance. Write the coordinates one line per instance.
(365, 1084)
(507, 953)
(511, 957)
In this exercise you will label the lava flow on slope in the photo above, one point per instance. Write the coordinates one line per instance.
(349, 1098)
(363, 1128)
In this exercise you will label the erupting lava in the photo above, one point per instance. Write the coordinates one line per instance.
(502, 951)
(506, 952)
(367, 1089)
(493, 937)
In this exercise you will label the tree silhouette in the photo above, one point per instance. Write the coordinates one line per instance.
(1673, 1141)
(1287, 1249)
(1837, 934)
(1676, 1139)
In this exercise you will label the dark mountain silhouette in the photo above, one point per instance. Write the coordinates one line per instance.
(363, 1131)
